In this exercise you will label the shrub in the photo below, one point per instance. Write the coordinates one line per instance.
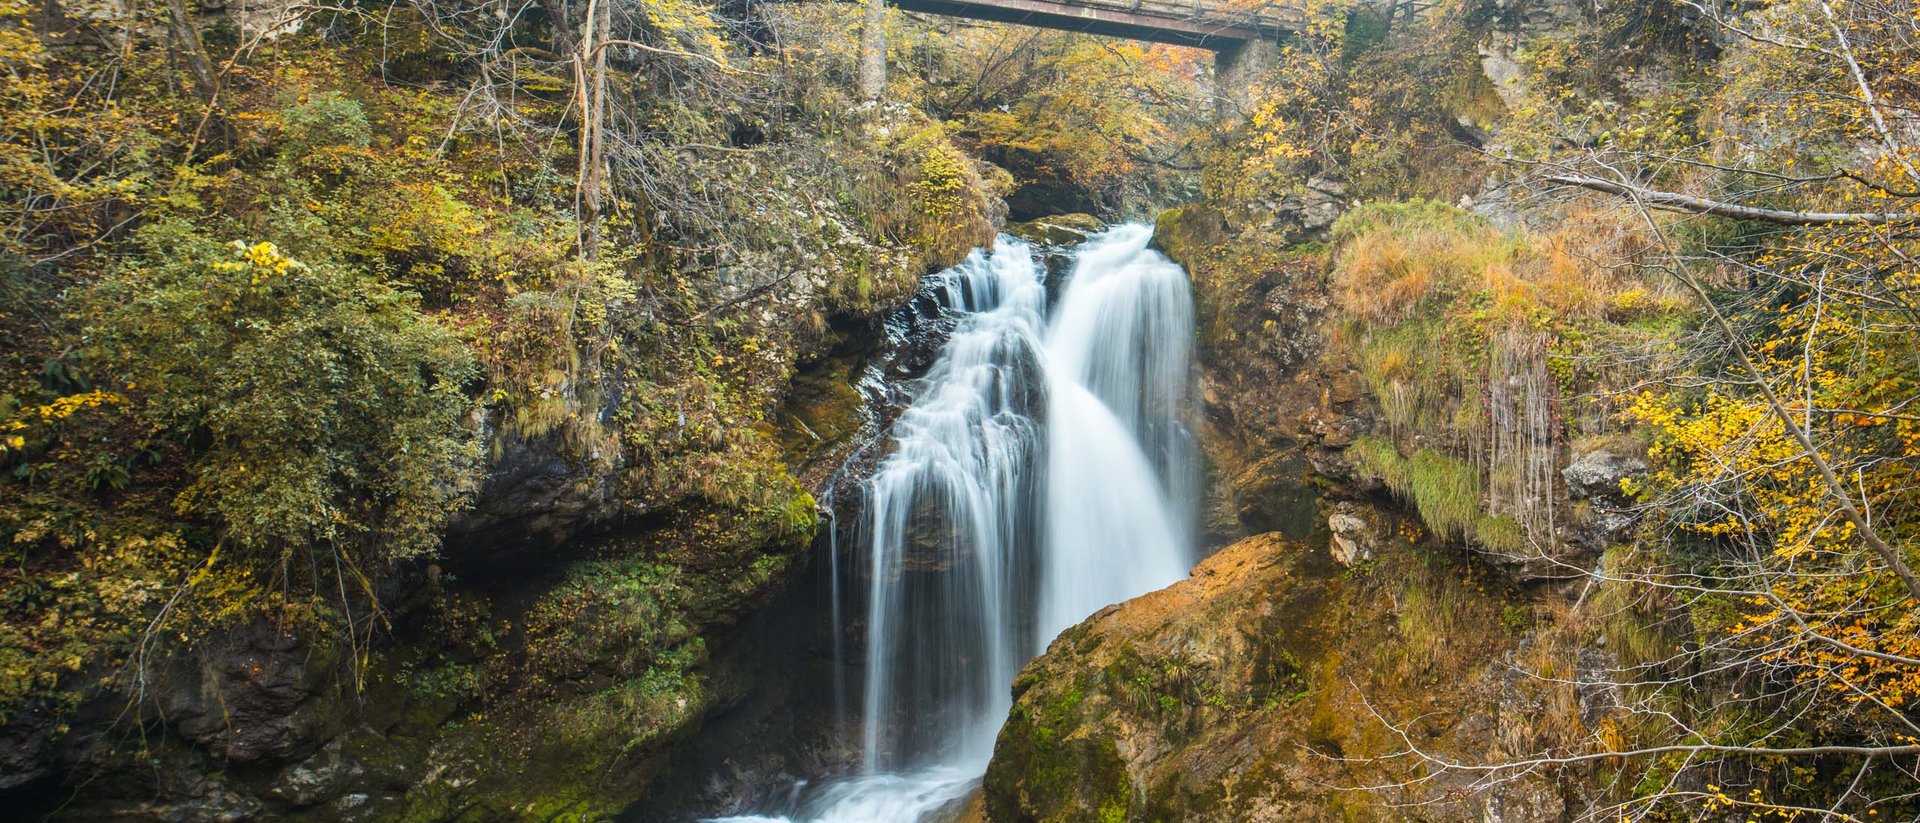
(327, 120)
(318, 406)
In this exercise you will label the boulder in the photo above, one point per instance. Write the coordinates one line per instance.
(1596, 475)
(1260, 687)
(1058, 229)
(1610, 514)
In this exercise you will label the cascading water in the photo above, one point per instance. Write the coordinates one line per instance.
(1042, 473)
(1122, 484)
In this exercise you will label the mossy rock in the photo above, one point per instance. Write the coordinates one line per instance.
(1181, 232)
(1248, 692)
(1058, 229)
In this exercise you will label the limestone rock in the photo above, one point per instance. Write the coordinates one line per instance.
(1597, 474)
(1355, 536)
(1595, 477)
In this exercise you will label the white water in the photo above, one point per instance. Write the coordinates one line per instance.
(1042, 474)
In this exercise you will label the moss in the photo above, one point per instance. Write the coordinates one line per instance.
(1183, 233)
(1060, 771)
(1058, 229)
(823, 409)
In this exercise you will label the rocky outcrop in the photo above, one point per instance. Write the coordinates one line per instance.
(1358, 535)
(1598, 477)
(1272, 412)
(1272, 684)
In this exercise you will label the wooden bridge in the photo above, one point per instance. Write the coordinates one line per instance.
(1207, 24)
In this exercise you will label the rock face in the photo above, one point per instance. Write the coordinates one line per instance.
(1270, 410)
(1249, 692)
(1596, 477)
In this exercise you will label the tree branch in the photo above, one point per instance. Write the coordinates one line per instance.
(1673, 201)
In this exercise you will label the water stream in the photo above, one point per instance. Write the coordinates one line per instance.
(1041, 473)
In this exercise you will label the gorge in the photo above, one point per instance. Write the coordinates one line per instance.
(650, 411)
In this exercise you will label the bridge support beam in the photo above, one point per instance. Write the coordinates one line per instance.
(1237, 72)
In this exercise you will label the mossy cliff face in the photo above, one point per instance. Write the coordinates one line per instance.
(1275, 686)
(1394, 396)
(1270, 408)
(550, 660)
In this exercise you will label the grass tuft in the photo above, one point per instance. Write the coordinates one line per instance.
(1445, 490)
(1501, 534)
(1377, 458)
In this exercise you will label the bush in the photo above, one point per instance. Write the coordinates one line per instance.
(326, 120)
(318, 406)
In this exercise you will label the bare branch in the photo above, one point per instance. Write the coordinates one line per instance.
(1674, 201)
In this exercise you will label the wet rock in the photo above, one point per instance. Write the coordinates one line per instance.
(1059, 230)
(317, 779)
(24, 745)
(354, 807)
(535, 496)
(250, 703)
(1272, 494)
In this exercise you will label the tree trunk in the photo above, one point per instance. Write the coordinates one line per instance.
(873, 51)
(590, 77)
(205, 81)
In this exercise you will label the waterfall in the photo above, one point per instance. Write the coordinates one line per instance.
(1042, 473)
(1122, 491)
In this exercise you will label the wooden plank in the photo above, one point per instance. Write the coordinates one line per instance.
(1182, 28)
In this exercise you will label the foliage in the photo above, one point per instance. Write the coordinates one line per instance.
(1352, 97)
(194, 436)
(1112, 119)
(320, 407)
(1841, 367)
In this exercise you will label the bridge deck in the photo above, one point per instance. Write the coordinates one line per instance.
(1200, 23)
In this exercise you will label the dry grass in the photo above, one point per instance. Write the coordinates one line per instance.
(1398, 260)
(1383, 276)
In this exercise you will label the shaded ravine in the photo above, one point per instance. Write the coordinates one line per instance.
(1042, 472)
